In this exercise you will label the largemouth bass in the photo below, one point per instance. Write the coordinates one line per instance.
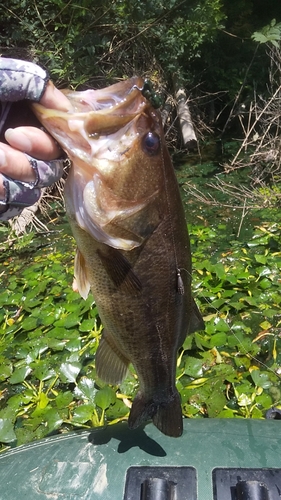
(126, 214)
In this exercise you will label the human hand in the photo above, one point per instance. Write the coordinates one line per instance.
(21, 176)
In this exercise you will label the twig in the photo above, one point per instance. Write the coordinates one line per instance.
(245, 141)
(243, 215)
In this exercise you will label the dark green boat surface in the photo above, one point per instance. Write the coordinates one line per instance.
(93, 465)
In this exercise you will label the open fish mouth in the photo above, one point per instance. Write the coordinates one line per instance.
(108, 109)
(102, 124)
(107, 135)
(118, 99)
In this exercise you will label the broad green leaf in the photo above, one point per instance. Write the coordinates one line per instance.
(87, 325)
(70, 371)
(83, 413)
(29, 323)
(105, 397)
(260, 379)
(71, 320)
(218, 339)
(193, 367)
(63, 399)
(7, 433)
(53, 419)
(215, 403)
(6, 369)
(20, 374)
(85, 389)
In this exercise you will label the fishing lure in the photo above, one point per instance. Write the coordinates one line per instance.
(148, 92)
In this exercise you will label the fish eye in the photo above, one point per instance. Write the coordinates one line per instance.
(151, 143)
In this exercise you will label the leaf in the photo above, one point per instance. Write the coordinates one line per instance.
(20, 374)
(83, 413)
(265, 283)
(63, 399)
(260, 379)
(261, 259)
(105, 397)
(218, 339)
(41, 369)
(215, 403)
(43, 400)
(87, 325)
(6, 369)
(70, 371)
(53, 419)
(264, 400)
(259, 37)
(85, 389)
(29, 323)
(193, 367)
(71, 320)
(7, 433)
(73, 345)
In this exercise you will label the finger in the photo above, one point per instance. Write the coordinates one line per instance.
(15, 164)
(53, 98)
(33, 141)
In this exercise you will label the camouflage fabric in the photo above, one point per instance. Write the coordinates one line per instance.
(24, 80)
(19, 195)
(21, 80)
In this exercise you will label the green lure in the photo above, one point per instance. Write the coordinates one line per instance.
(153, 97)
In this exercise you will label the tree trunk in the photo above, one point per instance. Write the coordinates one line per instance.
(186, 125)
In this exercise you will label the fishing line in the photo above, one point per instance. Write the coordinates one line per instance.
(180, 284)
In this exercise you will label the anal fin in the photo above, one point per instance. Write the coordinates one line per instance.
(111, 364)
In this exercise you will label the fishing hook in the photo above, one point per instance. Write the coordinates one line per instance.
(147, 91)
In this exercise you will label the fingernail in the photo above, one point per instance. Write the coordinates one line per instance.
(18, 140)
(3, 159)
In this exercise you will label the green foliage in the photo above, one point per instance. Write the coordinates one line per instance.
(48, 340)
(234, 368)
(269, 34)
(206, 44)
(49, 337)
(81, 40)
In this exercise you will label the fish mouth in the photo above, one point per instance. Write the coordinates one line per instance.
(120, 98)
(102, 111)
(107, 134)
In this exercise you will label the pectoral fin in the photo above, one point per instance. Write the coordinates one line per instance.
(111, 364)
(80, 272)
(119, 269)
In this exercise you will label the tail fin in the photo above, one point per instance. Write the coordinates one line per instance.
(166, 416)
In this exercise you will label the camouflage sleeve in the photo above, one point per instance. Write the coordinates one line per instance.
(24, 80)
(21, 80)
(19, 194)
